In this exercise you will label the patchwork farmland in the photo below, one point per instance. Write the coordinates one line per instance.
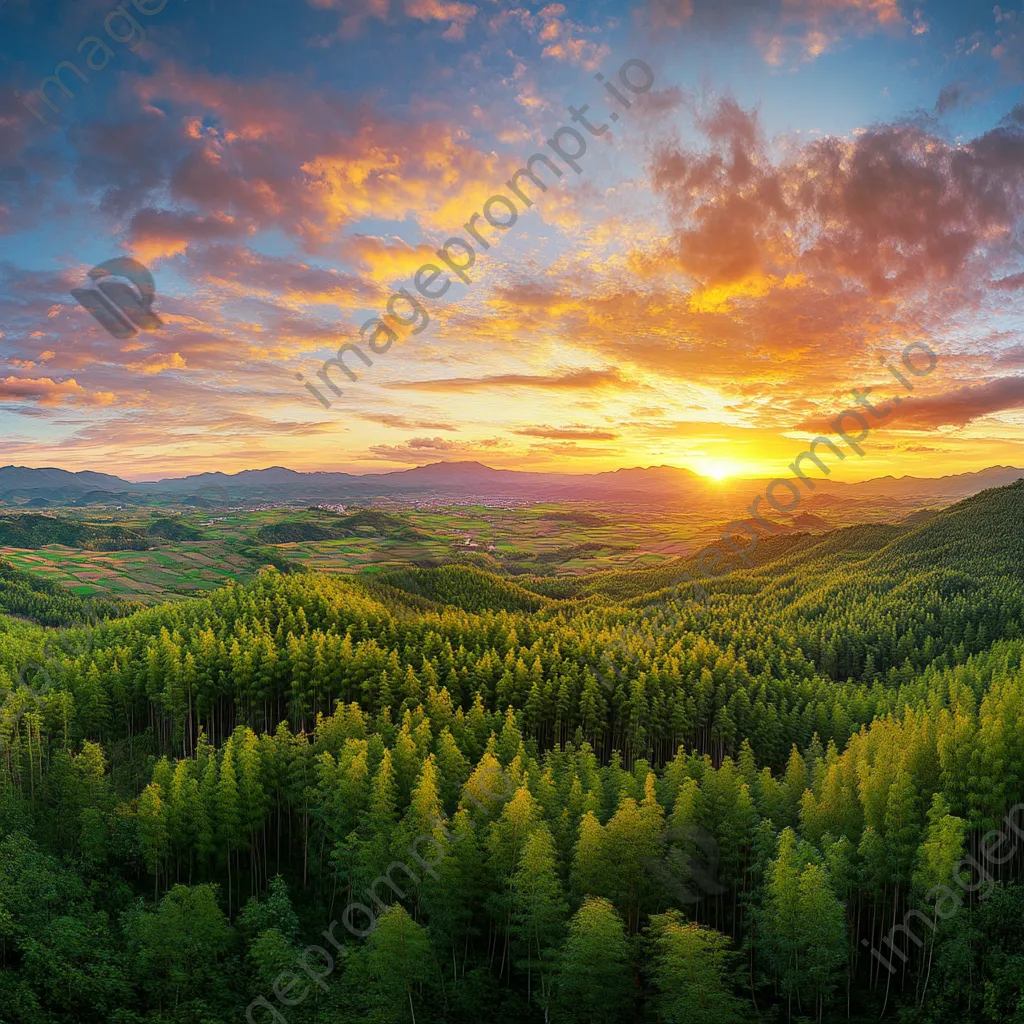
(149, 577)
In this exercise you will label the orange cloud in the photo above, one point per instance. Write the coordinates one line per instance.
(459, 14)
(565, 40)
(384, 261)
(355, 14)
(156, 233)
(158, 362)
(404, 422)
(423, 450)
(806, 28)
(244, 272)
(883, 12)
(272, 156)
(575, 433)
(959, 407)
(48, 392)
(896, 209)
(578, 51)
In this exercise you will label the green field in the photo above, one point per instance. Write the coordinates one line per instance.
(536, 540)
(145, 576)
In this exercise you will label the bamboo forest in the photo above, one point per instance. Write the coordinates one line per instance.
(442, 794)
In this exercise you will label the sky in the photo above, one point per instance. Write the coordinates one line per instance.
(759, 207)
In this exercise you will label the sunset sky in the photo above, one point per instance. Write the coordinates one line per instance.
(808, 187)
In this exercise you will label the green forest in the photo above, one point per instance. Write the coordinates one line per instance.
(442, 794)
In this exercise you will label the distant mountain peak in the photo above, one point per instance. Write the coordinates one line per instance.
(471, 480)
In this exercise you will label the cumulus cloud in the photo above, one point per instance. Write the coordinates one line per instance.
(236, 156)
(895, 209)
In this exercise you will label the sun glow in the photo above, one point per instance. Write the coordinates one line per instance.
(716, 469)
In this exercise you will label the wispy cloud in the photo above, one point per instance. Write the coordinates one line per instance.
(573, 380)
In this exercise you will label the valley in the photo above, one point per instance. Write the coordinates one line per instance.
(788, 764)
(148, 553)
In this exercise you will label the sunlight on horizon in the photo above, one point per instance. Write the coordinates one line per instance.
(717, 469)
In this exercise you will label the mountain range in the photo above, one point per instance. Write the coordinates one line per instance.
(659, 485)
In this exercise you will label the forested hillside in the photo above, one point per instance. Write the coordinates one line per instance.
(555, 800)
(26, 595)
(32, 531)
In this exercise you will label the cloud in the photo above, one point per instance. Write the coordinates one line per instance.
(578, 51)
(560, 37)
(896, 209)
(572, 380)
(458, 14)
(386, 261)
(48, 392)
(756, 277)
(571, 450)
(244, 271)
(404, 422)
(787, 266)
(879, 12)
(272, 154)
(1015, 116)
(424, 450)
(158, 362)
(574, 433)
(783, 29)
(1007, 42)
(355, 14)
(152, 232)
(959, 407)
(1009, 284)
(955, 408)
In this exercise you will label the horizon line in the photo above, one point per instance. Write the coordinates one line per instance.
(710, 480)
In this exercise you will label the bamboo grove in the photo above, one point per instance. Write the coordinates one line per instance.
(715, 812)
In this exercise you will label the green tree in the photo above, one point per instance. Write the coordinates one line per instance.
(595, 977)
(179, 948)
(691, 972)
(538, 913)
(395, 970)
